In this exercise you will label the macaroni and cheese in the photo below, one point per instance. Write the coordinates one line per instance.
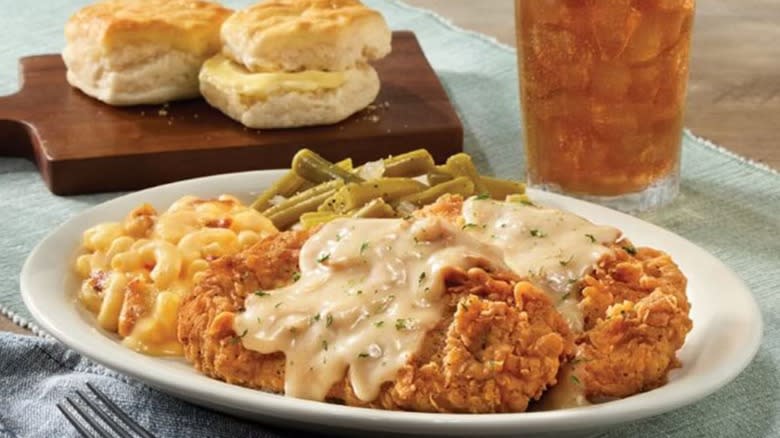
(135, 272)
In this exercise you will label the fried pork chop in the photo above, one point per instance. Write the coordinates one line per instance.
(499, 344)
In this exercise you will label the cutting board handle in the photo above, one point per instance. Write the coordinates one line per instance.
(15, 140)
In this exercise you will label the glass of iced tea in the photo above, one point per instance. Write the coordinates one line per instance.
(602, 86)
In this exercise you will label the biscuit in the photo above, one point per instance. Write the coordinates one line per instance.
(293, 35)
(128, 52)
(286, 100)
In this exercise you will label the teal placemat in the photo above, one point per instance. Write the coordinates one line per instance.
(729, 206)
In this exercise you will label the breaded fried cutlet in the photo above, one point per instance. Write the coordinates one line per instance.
(500, 343)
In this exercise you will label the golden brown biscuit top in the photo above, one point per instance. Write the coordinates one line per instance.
(277, 18)
(189, 25)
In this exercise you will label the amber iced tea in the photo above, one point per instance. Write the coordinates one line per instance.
(602, 87)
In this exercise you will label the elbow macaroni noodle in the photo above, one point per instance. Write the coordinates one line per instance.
(134, 273)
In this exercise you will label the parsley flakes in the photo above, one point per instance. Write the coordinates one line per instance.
(236, 339)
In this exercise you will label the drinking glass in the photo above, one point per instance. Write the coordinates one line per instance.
(602, 88)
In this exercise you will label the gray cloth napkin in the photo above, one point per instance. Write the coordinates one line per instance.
(36, 373)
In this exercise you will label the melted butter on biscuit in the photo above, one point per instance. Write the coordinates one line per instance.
(229, 76)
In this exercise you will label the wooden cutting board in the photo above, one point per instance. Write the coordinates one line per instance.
(82, 145)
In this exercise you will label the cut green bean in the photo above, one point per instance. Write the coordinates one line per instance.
(436, 177)
(314, 218)
(310, 166)
(377, 208)
(345, 164)
(461, 186)
(414, 163)
(461, 165)
(355, 195)
(501, 188)
(290, 210)
(285, 186)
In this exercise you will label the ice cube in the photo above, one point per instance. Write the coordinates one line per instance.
(673, 25)
(645, 82)
(610, 80)
(561, 105)
(553, 61)
(674, 5)
(547, 11)
(615, 121)
(613, 23)
(553, 47)
(674, 69)
(647, 42)
(665, 5)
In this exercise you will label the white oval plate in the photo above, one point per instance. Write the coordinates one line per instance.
(725, 336)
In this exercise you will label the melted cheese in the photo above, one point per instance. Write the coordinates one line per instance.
(370, 289)
(227, 75)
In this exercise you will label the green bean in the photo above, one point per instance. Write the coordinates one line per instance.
(413, 163)
(313, 167)
(285, 186)
(345, 164)
(501, 188)
(290, 210)
(313, 218)
(461, 185)
(461, 165)
(436, 177)
(377, 208)
(355, 195)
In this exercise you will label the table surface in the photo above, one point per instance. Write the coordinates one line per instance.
(734, 88)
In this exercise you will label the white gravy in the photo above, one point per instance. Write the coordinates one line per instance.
(567, 393)
(370, 289)
(368, 292)
(553, 248)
